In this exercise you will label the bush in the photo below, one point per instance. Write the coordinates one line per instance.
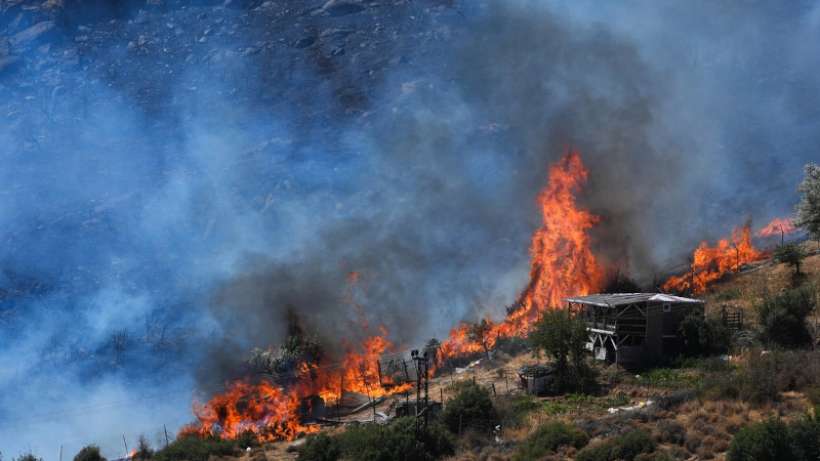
(625, 447)
(671, 432)
(547, 438)
(27, 457)
(373, 442)
(89, 453)
(471, 408)
(563, 336)
(704, 335)
(766, 441)
(783, 317)
(195, 448)
(396, 441)
(513, 409)
(320, 447)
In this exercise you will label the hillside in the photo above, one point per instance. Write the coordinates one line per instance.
(689, 410)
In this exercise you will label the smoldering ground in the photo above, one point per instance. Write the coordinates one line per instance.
(156, 233)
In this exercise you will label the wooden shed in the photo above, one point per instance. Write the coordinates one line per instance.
(634, 329)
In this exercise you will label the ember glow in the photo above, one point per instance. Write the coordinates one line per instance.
(710, 263)
(778, 226)
(274, 412)
(561, 264)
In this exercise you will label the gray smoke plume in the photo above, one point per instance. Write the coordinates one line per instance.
(178, 178)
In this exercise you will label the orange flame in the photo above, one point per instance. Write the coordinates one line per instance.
(776, 226)
(710, 263)
(273, 413)
(562, 263)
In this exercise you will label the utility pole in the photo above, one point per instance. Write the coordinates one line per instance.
(166, 434)
(426, 390)
(126, 446)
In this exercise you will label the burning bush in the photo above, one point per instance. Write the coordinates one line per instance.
(396, 441)
(89, 453)
(471, 408)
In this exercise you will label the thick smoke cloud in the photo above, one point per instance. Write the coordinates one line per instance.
(161, 215)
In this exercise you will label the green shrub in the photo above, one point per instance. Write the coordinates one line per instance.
(765, 441)
(547, 438)
(782, 317)
(625, 447)
(27, 457)
(668, 377)
(471, 408)
(195, 448)
(89, 453)
(320, 447)
(704, 335)
(513, 409)
(396, 441)
(805, 438)
(574, 402)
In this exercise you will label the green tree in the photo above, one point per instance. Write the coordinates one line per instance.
(563, 336)
(808, 210)
(791, 254)
(89, 453)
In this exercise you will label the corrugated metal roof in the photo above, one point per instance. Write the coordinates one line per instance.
(623, 299)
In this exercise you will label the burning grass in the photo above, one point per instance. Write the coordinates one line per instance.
(711, 263)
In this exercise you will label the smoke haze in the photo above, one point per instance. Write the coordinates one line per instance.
(176, 179)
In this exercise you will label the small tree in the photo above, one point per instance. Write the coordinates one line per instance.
(89, 453)
(480, 333)
(790, 254)
(808, 210)
(144, 450)
(563, 337)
